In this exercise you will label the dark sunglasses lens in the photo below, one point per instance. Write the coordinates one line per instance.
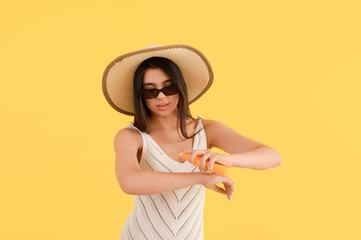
(149, 93)
(170, 90)
(152, 93)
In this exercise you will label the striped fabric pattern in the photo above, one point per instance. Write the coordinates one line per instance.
(176, 214)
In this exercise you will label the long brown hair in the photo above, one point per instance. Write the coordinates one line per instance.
(142, 112)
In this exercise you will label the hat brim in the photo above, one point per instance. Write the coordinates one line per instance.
(118, 76)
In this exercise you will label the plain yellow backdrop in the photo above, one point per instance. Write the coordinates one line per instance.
(287, 74)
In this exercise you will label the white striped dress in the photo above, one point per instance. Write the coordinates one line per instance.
(176, 214)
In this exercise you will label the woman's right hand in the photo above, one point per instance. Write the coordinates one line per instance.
(210, 181)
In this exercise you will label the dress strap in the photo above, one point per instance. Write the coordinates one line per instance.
(131, 125)
(200, 117)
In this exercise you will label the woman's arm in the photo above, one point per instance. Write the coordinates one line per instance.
(260, 158)
(244, 152)
(134, 180)
(146, 182)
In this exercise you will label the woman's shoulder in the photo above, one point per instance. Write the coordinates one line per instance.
(208, 122)
(211, 129)
(213, 126)
(128, 135)
(128, 145)
(205, 122)
(196, 120)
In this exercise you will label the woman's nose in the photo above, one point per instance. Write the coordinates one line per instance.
(161, 95)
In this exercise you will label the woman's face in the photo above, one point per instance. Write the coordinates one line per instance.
(156, 78)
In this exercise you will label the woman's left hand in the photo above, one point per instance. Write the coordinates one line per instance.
(208, 155)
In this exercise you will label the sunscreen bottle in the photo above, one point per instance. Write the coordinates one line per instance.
(217, 168)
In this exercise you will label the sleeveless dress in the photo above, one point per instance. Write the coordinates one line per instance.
(176, 214)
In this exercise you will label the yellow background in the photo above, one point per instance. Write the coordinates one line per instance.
(287, 74)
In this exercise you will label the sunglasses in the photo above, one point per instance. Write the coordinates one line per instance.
(152, 93)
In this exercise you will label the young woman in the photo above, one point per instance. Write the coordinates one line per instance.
(156, 85)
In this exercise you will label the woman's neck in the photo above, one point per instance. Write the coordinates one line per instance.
(163, 123)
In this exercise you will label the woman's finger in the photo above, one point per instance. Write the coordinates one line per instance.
(229, 186)
(203, 160)
(212, 159)
(194, 154)
(218, 189)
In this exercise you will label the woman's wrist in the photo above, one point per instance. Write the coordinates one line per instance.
(230, 160)
(200, 177)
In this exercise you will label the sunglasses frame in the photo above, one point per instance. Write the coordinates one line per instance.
(172, 86)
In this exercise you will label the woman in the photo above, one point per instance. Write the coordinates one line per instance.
(156, 85)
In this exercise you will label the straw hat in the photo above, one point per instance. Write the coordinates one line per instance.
(118, 76)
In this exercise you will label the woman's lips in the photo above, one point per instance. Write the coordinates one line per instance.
(163, 107)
